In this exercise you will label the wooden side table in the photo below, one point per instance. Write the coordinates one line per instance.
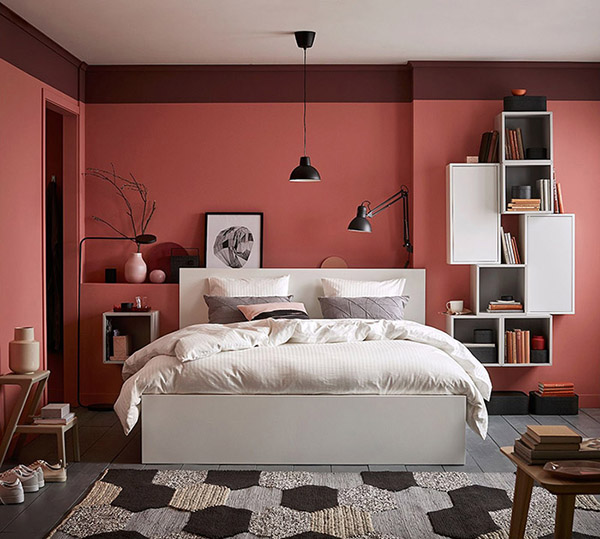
(20, 421)
(565, 491)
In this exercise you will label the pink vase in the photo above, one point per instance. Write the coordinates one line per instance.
(135, 268)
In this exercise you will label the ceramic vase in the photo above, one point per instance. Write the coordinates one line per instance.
(135, 268)
(24, 352)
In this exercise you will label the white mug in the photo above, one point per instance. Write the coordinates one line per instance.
(455, 306)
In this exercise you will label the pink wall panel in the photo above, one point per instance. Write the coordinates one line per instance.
(20, 210)
(446, 131)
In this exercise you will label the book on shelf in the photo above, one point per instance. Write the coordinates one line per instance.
(517, 346)
(544, 186)
(524, 204)
(559, 197)
(488, 148)
(514, 144)
(54, 420)
(510, 249)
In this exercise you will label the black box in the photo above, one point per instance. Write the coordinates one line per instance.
(183, 258)
(525, 103)
(485, 354)
(483, 336)
(508, 403)
(553, 405)
(539, 356)
(110, 275)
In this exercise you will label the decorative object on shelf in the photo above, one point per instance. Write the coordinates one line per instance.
(142, 239)
(545, 192)
(121, 347)
(472, 159)
(524, 103)
(536, 153)
(518, 91)
(574, 469)
(334, 262)
(455, 306)
(183, 258)
(24, 352)
(110, 275)
(304, 172)
(126, 306)
(135, 266)
(234, 240)
(538, 342)
(361, 224)
(520, 191)
(158, 276)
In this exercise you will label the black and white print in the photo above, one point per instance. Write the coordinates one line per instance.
(234, 240)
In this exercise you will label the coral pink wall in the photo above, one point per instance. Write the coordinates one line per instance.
(446, 131)
(196, 158)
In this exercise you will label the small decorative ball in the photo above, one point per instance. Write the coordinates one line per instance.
(519, 91)
(157, 276)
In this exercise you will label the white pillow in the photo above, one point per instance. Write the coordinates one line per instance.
(266, 286)
(348, 288)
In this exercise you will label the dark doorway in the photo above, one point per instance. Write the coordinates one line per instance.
(54, 254)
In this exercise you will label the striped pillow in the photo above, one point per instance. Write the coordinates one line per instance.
(267, 286)
(390, 308)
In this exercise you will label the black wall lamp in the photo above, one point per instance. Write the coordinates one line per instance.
(305, 172)
(361, 222)
(142, 239)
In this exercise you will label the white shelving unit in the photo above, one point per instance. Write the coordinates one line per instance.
(545, 282)
(142, 328)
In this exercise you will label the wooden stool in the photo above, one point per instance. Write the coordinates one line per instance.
(565, 490)
(21, 419)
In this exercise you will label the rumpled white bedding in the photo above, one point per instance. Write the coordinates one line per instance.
(269, 356)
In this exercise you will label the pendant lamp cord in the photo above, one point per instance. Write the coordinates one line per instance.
(304, 101)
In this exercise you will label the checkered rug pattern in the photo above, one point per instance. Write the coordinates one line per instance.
(215, 504)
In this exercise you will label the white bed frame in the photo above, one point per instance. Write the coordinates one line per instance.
(302, 429)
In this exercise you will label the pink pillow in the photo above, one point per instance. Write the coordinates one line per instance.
(284, 309)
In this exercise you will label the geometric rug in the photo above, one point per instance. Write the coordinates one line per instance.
(180, 504)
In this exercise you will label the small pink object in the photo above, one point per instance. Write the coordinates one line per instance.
(157, 276)
(135, 268)
(519, 91)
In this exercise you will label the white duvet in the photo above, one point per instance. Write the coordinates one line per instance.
(306, 357)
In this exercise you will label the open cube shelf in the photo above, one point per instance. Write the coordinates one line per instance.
(522, 174)
(489, 283)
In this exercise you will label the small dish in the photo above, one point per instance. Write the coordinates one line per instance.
(574, 469)
(518, 91)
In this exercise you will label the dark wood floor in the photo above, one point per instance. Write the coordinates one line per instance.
(103, 445)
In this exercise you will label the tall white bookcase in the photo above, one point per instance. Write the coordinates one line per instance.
(477, 198)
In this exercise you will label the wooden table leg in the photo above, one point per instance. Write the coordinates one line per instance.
(62, 453)
(565, 507)
(520, 510)
(10, 427)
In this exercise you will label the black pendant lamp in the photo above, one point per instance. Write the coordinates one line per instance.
(305, 172)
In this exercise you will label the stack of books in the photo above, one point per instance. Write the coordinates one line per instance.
(488, 150)
(510, 250)
(54, 414)
(517, 346)
(514, 144)
(546, 194)
(556, 389)
(525, 204)
(499, 306)
(542, 443)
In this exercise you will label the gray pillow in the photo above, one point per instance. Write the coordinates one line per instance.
(223, 309)
(384, 308)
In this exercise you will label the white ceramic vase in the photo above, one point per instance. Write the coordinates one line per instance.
(24, 352)
(135, 268)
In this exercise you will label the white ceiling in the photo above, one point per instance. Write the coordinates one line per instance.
(348, 31)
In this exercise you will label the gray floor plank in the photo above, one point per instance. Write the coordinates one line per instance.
(588, 426)
(107, 447)
(487, 455)
(423, 468)
(237, 467)
(501, 431)
(470, 465)
(349, 468)
(312, 468)
(592, 412)
(520, 422)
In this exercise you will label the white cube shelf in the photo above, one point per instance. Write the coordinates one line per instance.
(141, 327)
(490, 282)
(549, 247)
(536, 129)
(473, 220)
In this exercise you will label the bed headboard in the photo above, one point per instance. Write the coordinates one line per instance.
(305, 285)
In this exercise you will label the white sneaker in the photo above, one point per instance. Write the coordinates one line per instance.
(28, 480)
(38, 472)
(53, 473)
(11, 492)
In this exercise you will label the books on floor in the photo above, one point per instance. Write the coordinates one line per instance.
(517, 346)
(555, 389)
(488, 149)
(542, 443)
(510, 249)
(56, 410)
(54, 420)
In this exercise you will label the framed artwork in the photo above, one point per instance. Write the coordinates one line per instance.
(234, 240)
